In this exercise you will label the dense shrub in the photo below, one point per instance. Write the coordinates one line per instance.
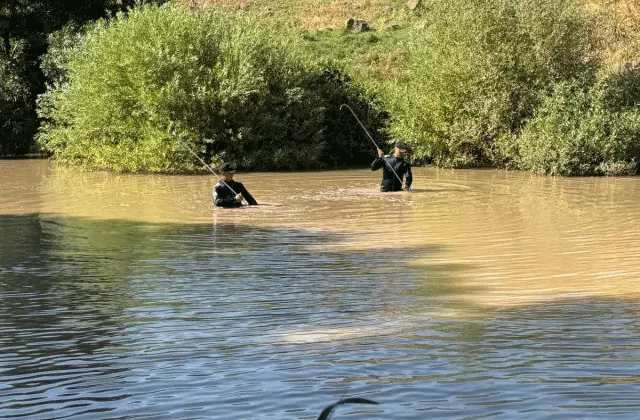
(63, 44)
(227, 84)
(478, 72)
(19, 84)
(585, 130)
(24, 26)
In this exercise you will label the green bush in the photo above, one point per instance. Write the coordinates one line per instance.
(584, 130)
(478, 70)
(63, 44)
(18, 88)
(228, 84)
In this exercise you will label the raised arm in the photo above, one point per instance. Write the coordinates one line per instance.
(247, 196)
(379, 162)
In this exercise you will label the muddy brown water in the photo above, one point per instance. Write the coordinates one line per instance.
(480, 294)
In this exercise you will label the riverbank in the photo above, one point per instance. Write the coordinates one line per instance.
(516, 85)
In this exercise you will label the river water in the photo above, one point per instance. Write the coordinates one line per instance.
(481, 294)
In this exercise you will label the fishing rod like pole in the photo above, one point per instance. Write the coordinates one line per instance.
(326, 413)
(372, 140)
(203, 162)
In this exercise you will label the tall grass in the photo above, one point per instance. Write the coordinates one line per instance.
(314, 14)
(617, 25)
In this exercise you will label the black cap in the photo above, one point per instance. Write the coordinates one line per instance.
(226, 167)
(402, 145)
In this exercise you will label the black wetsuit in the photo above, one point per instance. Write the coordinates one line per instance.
(224, 197)
(389, 181)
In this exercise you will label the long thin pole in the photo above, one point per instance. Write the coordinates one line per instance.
(326, 413)
(371, 138)
(203, 162)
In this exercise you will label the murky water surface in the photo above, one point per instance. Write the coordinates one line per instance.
(481, 294)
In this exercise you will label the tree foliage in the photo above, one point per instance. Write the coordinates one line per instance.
(226, 84)
(24, 29)
(478, 72)
(587, 127)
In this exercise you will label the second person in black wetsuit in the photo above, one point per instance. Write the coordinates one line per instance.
(402, 168)
(223, 196)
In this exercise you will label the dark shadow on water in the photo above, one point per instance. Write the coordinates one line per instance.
(53, 269)
(78, 296)
(441, 281)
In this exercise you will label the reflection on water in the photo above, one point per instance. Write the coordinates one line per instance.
(482, 294)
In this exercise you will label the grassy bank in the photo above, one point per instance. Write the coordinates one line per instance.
(524, 84)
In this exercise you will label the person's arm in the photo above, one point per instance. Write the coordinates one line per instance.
(252, 201)
(379, 162)
(408, 178)
(223, 200)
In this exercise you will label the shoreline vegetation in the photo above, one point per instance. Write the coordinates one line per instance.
(548, 86)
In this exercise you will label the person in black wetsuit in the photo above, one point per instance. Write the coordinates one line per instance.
(223, 196)
(402, 168)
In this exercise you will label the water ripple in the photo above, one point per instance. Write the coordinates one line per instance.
(482, 294)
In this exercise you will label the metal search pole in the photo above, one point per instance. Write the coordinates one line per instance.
(372, 140)
(203, 162)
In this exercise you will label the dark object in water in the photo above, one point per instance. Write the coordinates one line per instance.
(327, 411)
